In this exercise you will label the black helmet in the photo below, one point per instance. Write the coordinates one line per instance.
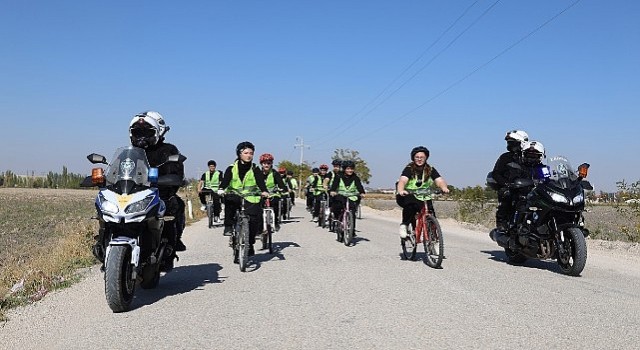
(348, 164)
(419, 149)
(211, 162)
(289, 172)
(315, 170)
(336, 162)
(244, 145)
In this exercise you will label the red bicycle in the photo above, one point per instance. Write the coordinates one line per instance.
(426, 231)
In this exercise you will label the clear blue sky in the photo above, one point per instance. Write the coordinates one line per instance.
(73, 74)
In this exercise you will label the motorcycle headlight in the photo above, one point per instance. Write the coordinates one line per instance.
(578, 199)
(557, 197)
(140, 205)
(108, 206)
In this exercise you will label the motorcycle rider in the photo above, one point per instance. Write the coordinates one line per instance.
(210, 180)
(146, 130)
(244, 177)
(416, 175)
(504, 174)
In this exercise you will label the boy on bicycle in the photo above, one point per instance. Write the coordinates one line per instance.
(244, 178)
(417, 175)
(346, 186)
(274, 183)
(210, 182)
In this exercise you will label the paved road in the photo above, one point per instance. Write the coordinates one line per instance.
(315, 293)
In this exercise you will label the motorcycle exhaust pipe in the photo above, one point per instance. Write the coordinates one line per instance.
(499, 237)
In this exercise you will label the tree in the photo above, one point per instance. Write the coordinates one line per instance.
(361, 165)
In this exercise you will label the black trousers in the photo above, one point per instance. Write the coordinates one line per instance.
(339, 203)
(217, 204)
(233, 203)
(411, 206)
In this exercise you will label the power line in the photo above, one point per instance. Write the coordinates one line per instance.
(341, 131)
(457, 82)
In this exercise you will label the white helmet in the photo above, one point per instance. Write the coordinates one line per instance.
(144, 131)
(158, 118)
(533, 152)
(515, 140)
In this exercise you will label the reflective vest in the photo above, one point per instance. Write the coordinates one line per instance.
(212, 182)
(270, 181)
(247, 187)
(412, 186)
(318, 189)
(333, 178)
(350, 192)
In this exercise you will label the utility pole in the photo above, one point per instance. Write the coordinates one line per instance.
(300, 144)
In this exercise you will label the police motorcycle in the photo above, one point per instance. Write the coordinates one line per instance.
(131, 216)
(548, 221)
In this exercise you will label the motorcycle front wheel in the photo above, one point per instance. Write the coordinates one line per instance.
(572, 252)
(119, 285)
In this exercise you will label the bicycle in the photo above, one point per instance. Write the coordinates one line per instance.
(268, 223)
(240, 237)
(209, 195)
(325, 211)
(426, 231)
(345, 227)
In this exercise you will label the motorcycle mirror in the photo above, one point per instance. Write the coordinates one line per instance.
(583, 170)
(97, 158)
(587, 185)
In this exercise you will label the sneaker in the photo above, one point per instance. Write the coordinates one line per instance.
(180, 247)
(203, 207)
(315, 219)
(403, 231)
(228, 230)
(216, 219)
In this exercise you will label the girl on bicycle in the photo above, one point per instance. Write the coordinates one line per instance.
(346, 182)
(274, 183)
(417, 175)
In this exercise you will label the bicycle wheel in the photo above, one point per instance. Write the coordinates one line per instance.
(348, 228)
(359, 212)
(210, 214)
(409, 246)
(243, 243)
(433, 243)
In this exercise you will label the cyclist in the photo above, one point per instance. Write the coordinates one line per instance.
(286, 191)
(147, 130)
(309, 190)
(504, 174)
(293, 186)
(337, 169)
(319, 190)
(274, 183)
(418, 174)
(347, 181)
(210, 180)
(243, 177)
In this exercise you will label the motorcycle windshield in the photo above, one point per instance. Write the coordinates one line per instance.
(128, 166)
(561, 172)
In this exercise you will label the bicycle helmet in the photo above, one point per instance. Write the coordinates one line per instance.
(266, 157)
(144, 131)
(244, 145)
(336, 162)
(315, 170)
(211, 162)
(290, 172)
(348, 164)
(324, 167)
(533, 152)
(419, 149)
(163, 127)
(515, 140)
(282, 170)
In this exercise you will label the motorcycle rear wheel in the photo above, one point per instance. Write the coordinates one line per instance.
(119, 285)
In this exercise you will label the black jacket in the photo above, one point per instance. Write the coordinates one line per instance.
(157, 156)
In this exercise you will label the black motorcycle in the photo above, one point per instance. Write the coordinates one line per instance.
(548, 221)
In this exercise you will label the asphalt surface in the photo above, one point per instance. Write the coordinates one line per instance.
(315, 293)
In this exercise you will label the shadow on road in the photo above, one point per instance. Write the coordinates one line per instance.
(549, 265)
(263, 255)
(182, 279)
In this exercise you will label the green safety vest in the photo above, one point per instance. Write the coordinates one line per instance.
(270, 181)
(247, 187)
(333, 178)
(294, 184)
(212, 182)
(412, 186)
(319, 188)
(350, 192)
